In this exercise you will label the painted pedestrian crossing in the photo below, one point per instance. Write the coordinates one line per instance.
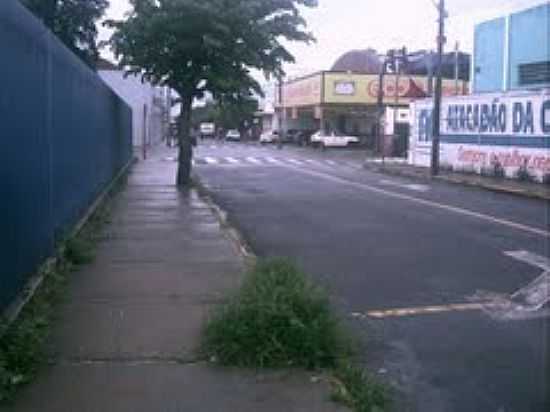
(265, 161)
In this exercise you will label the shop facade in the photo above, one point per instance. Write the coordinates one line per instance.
(346, 103)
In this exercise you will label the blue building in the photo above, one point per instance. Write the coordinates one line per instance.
(513, 52)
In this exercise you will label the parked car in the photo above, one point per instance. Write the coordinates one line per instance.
(270, 136)
(291, 136)
(207, 130)
(233, 135)
(333, 139)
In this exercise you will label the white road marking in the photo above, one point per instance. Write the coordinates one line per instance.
(414, 187)
(331, 162)
(232, 160)
(294, 161)
(537, 293)
(424, 202)
(211, 160)
(273, 160)
(538, 261)
(311, 161)
(253, 160)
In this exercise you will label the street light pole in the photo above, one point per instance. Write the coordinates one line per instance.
(380, 108)
(438, 91)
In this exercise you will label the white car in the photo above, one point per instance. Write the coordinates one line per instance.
(269, 137)
(333, 140)
(233, 135)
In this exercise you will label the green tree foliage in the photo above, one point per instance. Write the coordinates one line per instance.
(195, 46)
(74, 22)
(231, 114)
(236, 114)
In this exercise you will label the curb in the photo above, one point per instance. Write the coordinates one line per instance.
(229, 228)
(460, 181)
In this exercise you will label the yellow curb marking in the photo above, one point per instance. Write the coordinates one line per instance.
(426, 310)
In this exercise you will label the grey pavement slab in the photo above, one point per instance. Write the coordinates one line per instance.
(171, 387)
(126, 337)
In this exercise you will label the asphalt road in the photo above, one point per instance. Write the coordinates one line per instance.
(382, 244)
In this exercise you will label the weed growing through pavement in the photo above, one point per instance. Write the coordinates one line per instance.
(280, 319)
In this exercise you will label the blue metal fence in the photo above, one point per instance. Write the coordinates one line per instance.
(64, 136)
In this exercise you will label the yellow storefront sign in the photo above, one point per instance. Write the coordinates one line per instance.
(349, 88)
(360, 89)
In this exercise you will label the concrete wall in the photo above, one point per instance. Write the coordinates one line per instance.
(489, 41)
(145, 102)
(479, 131)
(503, 44)
(64, 136)
(529, 40)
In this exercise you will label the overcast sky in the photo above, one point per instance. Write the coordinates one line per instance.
(343, 25)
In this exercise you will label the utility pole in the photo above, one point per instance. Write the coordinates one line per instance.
(282, 114)
(457, 67)
(380, 108)
(438, 90)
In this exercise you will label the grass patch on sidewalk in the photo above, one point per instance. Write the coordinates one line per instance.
(22, 342)
(280, 319)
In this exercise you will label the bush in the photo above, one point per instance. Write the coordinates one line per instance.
(79, 251)
(358, 390)
(277, 319)
(22, 342)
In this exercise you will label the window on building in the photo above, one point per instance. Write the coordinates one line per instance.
(533, 74)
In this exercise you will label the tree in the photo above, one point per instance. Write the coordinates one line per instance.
(195, 46)
(74, 22)
(231, 114)
(236, 114)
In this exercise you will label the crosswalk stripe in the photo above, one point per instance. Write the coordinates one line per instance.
(253, 160)
(296, 162)
(232, 160)
(211, 160)
(273, 160)
(331, 162)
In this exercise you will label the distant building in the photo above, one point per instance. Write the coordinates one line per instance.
(513, 52)
(345, 99)
(150, 105)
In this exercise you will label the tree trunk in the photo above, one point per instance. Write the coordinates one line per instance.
(185, 144)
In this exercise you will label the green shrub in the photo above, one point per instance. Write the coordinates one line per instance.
(277, 319)
(22, 342)
(79, 250)
(358, 390)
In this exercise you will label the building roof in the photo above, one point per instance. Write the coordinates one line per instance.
(358, 61)
(367, 61)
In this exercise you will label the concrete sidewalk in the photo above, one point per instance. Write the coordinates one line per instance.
(127, 335)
